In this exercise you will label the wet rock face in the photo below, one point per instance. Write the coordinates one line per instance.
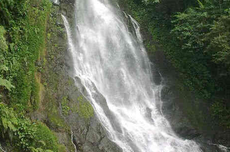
(64, 107)
(88, 133)
(90, 136)
(171, 109)
(67, 8)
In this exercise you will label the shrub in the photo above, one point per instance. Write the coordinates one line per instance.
(45, 138)
(24, 134)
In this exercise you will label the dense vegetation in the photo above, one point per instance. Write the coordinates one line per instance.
(22, 44)
(195, 36)
(25, 38)
(25, 135)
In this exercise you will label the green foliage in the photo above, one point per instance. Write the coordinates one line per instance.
(3, 45)
(150, 1)
(221, 113)
(8, 121)
(39, 150)
(190, 27)
(25, 22)
(25, 135)
(3, 68)
(12, 10)
(218, 41)
(203, 35)
(16, 128)
(6, 83)
(45, 138)
(200, 4)
(22, 44)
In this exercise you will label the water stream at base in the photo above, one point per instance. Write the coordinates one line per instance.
(112, 65)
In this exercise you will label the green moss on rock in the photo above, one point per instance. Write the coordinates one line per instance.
(83, 108)
(65, 107)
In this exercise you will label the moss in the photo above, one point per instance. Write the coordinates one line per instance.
(83, 108)
(151, 47)
(62, 148)
(65, 107)
(56, 121)
(35, 94)
(70, 81)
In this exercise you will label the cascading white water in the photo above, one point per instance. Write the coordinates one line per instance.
(111, 62)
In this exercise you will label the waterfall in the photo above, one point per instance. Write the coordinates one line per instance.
(111, 64)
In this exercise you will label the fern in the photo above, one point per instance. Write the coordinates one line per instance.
(200, 4)
(3, 45)
(3, 68)
(5, 83)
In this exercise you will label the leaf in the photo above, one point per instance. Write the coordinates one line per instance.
(33, 149)
(200, 4)
(12, 46)
(11, 126)
(14, 120)
(40, 150)
(10, 134)
(4, 123)
(4, 68)
(6, 83)
(42, 142)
